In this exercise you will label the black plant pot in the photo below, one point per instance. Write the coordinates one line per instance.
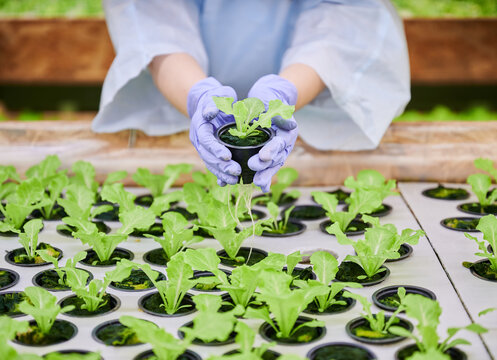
(284, 200)
(302, 336)
(155, 230)
(113, 333)
(136, 281)
(306, 212)
(300, 273)
(341, 195)
(156, 257)
(9, 302)
(386, 297)
(187, 355)
(482, 270)
(443, 193)
(256, 215)
(66, 230)
(356, 227)
(207, 287)
(268, 354)
(57, 214)
(8, 278)
(10, 257)
(242, 153)
(461, 223)
(70, 352)
(111, 215)
(113, 303)
(151, 304)
(358, 329)
(144, 200)
(60, 332)
(340, 351)
(293, 228)
(477, 209)
(92, 259)
(250, 255)
(313, 308)
(49, 280)
(229, 340)
(407, 351)
(349, 271)
(405, 251)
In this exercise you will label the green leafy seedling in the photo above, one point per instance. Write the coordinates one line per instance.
(488, 226)
(480, 184)
(277, 226)
(372, 180)
(158, 184)
(61, 271)
(29, 237)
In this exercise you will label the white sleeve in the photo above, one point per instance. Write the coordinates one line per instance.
(141, 30)
(359, 50)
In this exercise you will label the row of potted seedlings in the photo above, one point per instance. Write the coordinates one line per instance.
(221, 213)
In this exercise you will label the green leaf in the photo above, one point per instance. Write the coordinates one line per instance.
(480, 183)
(10, 327)
(84, 174)
(115, 176)
(225, 104)
(136, 218)
(29, 238)
(486, 165)
(44, 169)
(241, 113)
(115, 193)
(486, 311)
(325, 266)
(78, 201)
(329, 202)
(275, 108)
(163, 203)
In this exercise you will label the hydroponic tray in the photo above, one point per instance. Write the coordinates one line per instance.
(422, 268)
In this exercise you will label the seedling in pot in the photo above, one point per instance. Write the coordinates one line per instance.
(487, 268)
(206, 260)
(60, 271)
(284, 179)
(427, 314)
(285, 305)
(381, 242)
(325, 267)
(283, 226)
(211, 327)
(158, 184)
(45, 330)
(481, 184)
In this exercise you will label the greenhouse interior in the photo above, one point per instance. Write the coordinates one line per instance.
(248, 180)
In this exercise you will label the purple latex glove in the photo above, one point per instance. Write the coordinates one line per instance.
(272, 156)
(206, 119)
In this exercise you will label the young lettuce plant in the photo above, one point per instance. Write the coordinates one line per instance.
(245, 111)
(360, 202)
(284, 179)
(158, 184)
(486, 165)
(277, 226)
(283, 303)
(380, 243)
(9, 179)
(43, 307)
(488, 226)
(85, 174)
(325, 267)
(163, 203)
(480, 184)
(29, 239)
(372, 180)
(164, 345)
(61, 271)
(427, 313)
(206, 260)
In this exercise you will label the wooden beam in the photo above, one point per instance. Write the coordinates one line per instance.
(79, 51)
(409, 151)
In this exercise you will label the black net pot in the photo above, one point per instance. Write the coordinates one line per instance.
(57, 214)
(475, 208)
(356, 227)
(349, 271)
(405, 251)
(67, 230)
(8, 278)
(61, 331)
(340, 351)
(256, 215)
(9, 257)
(404, 352)
(69, 352)
(359, 322)
(155, 230)
(137, 278)
(268, 354)
(306, 213)
(52, 275)
(443, 193)
(187, 355)
(461, 223)
(113, 303)
(285, 199)
(229, 340)
(118, 254)
(293, 228)
(183, 211)
(108, 333)
(9, 302)
(111, 215)
(388, 291)
(382, 211)
(482, 270)
(150, 303)
(313, 308)
(157, 257)
(303, 336)
(251, 255)
(207, 287)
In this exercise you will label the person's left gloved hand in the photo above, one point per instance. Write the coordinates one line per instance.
(272, 156)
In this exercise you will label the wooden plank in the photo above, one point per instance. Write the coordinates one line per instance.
(79, 51)
(408, 152)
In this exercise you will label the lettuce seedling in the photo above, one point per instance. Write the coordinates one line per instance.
(361, 202)
(158, 184)
(178, 234)
(380, 243)
(488, 226)
(207, 180)
(42, 306)
(277, 226)
(84, 174)
(325, 267)
(93, 293)
(210, 324)
(284, 178)
(61, 271)
(427, 313)
(377, 322)
(283, 303)
(480, 184)
(372, 180)
(45, 169)
(9, 179)
(164, 345)
(29, 237)
(163, 203)
(179, 281)
(206, 260)
(245, 111)
(486, 165)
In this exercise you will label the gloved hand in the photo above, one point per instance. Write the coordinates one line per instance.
(272, 156)
(206, 119)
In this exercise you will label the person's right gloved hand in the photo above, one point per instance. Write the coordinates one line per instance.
(206, 119)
